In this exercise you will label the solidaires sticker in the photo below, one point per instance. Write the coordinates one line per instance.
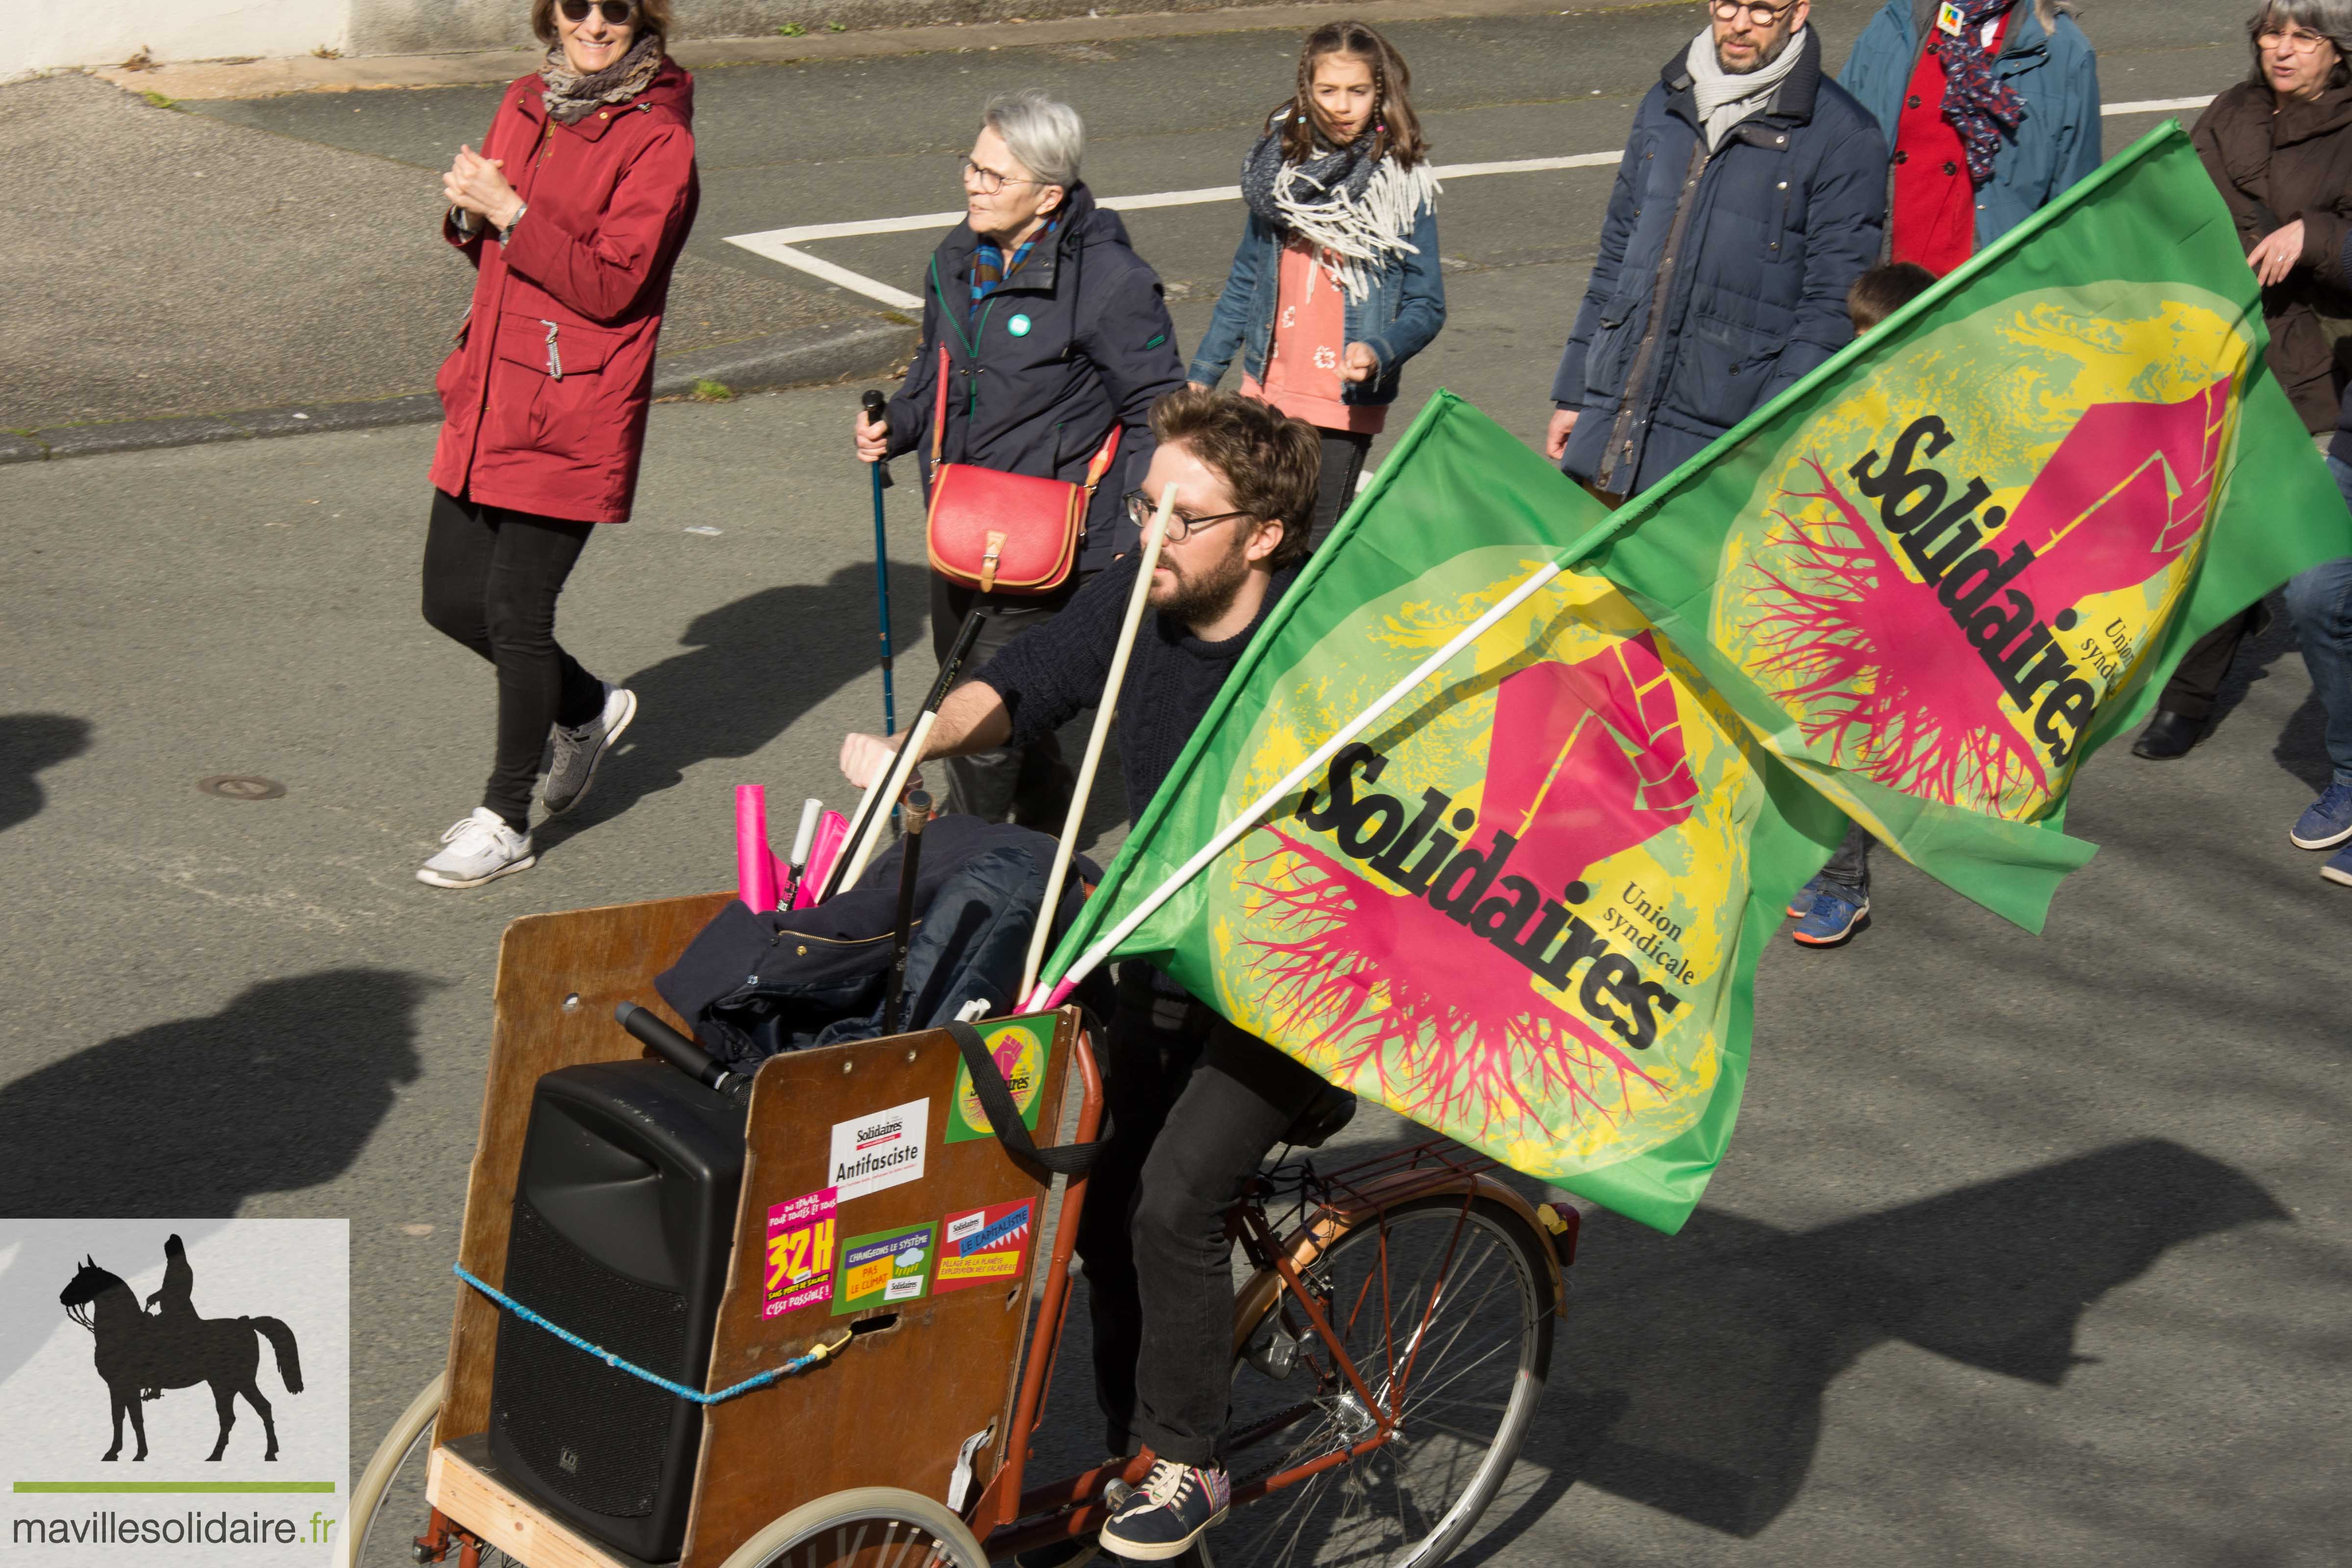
(983, 1246)
(879, 1150)
(884, 1268)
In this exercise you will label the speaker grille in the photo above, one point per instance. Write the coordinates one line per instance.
(592, 1434)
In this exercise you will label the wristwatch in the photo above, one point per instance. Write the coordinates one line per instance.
(508, 233)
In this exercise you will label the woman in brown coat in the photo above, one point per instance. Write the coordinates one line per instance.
(2279, 145)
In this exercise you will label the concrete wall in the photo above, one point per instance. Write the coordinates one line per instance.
(63, 34)
(108, 32)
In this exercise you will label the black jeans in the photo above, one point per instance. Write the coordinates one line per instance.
(1030, 784)
(1343, 465)
(1195, 1104)
(2196, 683)
(1850, 866)
(491, 579)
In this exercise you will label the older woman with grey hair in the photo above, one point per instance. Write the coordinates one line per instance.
(1051, 332)
(2279, 146)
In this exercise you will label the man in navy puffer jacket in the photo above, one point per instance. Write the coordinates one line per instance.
(1753, 193)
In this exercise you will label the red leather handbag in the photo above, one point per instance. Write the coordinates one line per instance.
(1005, 533)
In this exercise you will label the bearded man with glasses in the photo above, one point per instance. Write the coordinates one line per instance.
(1752, 194)
(1194, 1103)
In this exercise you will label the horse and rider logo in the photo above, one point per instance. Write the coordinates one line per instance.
(144, 1350)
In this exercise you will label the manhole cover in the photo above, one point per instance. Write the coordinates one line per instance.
(241, 786)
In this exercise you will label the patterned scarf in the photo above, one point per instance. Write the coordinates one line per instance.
(570, 97)
(1976, 104)
(1351, 205)
(989, 268)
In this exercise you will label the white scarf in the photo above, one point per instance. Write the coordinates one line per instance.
(1724, 100)
(1354, 237)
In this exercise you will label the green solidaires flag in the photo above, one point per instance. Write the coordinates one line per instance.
(1945, 567)
(1523, 909)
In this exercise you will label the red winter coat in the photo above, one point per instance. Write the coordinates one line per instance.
(544, 401)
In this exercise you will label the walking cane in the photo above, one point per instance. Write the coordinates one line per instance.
(875, 414)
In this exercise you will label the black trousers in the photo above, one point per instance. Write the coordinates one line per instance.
(491, 579)
(1343, 465)
(1030, 785)
(2196, 683)
(1195, 1104)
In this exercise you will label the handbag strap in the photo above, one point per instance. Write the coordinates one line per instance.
(1004, 1117)
(1103, 456)
(939, 407)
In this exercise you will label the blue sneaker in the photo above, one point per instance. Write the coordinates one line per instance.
(1802, 904)
(2326, 822)
(1835, 916)
(2338, 867)
(1173, 1508)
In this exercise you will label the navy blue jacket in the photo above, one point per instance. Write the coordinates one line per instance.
(1765, 235)
(2047, 61)
(1078, 340)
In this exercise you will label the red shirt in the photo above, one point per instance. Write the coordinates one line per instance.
(1935, 206)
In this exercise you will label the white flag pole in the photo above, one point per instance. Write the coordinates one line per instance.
(1041, 998)
(893, 786)
(1152, 536)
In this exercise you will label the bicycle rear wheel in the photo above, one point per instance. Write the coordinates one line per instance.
(1453, 1303)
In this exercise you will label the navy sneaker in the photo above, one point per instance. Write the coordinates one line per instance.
(1802, 904)
(2339, 866)
(1835, 916)
(2326, 822)
(1173, 1508)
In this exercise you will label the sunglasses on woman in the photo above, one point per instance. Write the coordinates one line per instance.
(617, 13)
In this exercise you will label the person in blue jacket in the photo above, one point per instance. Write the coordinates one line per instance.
(1336, 283)
(1055, 331)
(1992, 108)
(1752, 194)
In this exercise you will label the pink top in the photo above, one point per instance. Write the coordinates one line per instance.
(1311, 333)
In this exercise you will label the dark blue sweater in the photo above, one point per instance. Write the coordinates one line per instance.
(1052, 673)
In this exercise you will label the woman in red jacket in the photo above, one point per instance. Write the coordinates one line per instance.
(573, 213)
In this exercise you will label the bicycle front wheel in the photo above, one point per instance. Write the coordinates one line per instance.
(1446, 1311)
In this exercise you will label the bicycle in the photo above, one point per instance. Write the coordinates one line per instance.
(1390, 1345)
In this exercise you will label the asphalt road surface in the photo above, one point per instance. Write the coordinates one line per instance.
(2028, 1249)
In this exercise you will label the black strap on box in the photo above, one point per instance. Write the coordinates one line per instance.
(1004, 1118)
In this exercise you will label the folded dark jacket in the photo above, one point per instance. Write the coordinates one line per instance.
(752, 984)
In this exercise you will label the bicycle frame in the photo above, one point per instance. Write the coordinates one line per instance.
(1010, 1519)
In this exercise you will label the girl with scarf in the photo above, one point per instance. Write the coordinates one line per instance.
(573, 214)
(1336, 283)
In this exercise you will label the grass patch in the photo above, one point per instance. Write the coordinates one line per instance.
(791, 31)
(710, 391)
(158, 100)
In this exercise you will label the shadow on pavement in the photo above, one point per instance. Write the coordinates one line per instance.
(276, 1092)
(30, 743)
(1692, 1372)
(752, 669)
(2252, 662)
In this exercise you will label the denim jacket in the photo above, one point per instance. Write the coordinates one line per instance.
(1398, 317)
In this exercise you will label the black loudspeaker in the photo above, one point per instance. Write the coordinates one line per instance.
(623, 1216)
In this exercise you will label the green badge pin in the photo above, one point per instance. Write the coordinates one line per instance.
(1018, 326)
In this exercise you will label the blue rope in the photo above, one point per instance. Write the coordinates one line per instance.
(761, 1380)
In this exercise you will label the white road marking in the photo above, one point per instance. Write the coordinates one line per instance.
(783, 244)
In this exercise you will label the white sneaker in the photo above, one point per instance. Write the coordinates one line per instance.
(482, 849)
(577, 752)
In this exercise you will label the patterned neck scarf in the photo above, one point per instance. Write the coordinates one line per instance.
(570, 97)
(989, 267)
(1976, 104)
